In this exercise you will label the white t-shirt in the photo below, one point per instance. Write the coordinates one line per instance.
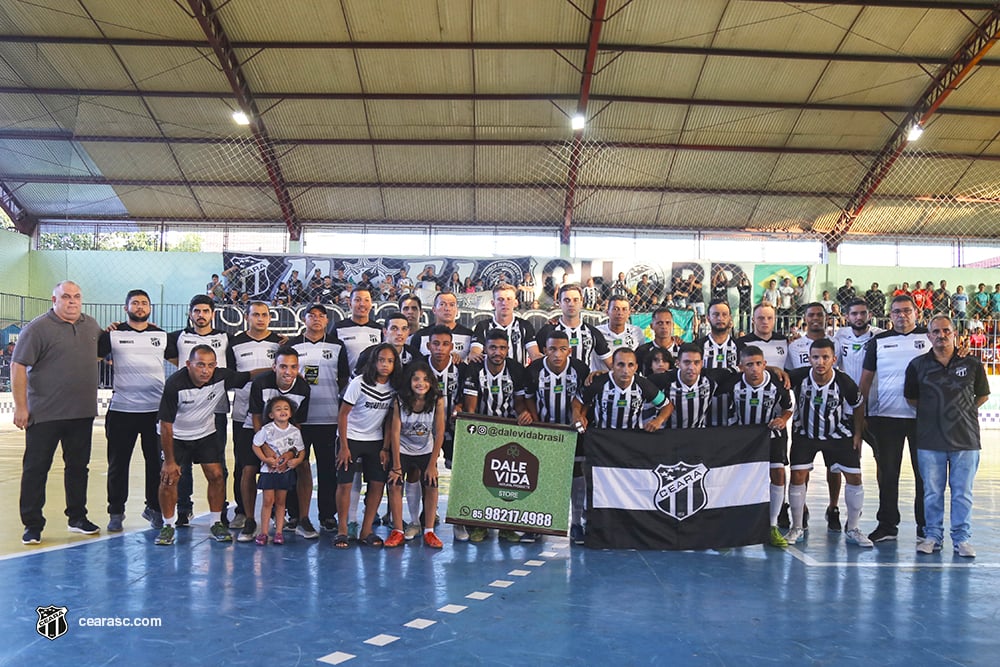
(279, 440)
(371, 404)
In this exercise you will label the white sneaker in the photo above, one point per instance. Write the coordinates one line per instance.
(794, 536)
(928, 545)
(855, 536)
(461, 533)
(411, 530)
(965, 550)
(238, 522)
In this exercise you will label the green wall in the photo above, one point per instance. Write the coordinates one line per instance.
(14, 274)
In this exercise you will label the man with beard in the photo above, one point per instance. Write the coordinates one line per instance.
(719, 352)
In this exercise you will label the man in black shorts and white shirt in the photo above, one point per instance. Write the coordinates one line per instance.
(187, 434)
(891, 419)
(136, 348)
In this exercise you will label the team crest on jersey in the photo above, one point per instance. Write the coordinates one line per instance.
(51, 621)
(328, 354)
(961, 372)
(216, 343)
(681, 493)
(919, 344)
(155, 342)
(270, 354)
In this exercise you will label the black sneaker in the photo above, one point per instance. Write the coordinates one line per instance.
(783, 520)
(183, 519)
(833, 520)
(249, 531)
(291, 523)
(881, 534)
(32, 536)
(83, 526)
(329, 525)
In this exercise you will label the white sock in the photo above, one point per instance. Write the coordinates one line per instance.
(797, 501)
(854, 495)
(352, 511)
(169, 521)
(414, 492)
(428, 530)
(214, 518)
(579, 498)
(777, 500)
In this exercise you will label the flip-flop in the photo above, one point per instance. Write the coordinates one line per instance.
(341, 542)
(372, 540)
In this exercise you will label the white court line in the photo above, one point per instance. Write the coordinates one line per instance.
(419, 623)
(336, 658)
(809, 561)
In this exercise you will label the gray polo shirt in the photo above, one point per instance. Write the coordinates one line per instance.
(62, 367)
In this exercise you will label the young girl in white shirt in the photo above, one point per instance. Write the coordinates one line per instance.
(278, 445)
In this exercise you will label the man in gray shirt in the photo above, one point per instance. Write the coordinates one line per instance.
(54, 380)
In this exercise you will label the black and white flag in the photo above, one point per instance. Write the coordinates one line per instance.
(677, 489)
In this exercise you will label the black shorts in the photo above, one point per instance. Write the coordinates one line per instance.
(320, 435)
(418, 462)
(448, 447)
(202, 450)
(277, 481)
(779, 452)
(243, 447)
(364, 459)
(838, 455)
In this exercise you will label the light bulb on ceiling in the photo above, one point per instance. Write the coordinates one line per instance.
(240, 118)
(578, 122)
(914, 132)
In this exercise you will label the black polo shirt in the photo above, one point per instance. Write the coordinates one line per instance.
(947, 415)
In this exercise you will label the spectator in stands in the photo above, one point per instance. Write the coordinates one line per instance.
(695, 297)
(591, 295)
(645, 294)
(980, 302)
(327, 293)
(995, 299)
(296, 293)
(959, 306)
(404, 284)
(771, 294)
(977, 343)
(387, 290)
(680, 292)
(924, 299)
(455, 285)
(875, 298)
(281, 296)
(941, 299)
(902, 289)
(720, 287)
(215, 289)
(315, 285)
(786, 301)
(799, 296)
(526, 295)
(846, 293)
(827, 301)
(233, 298)
(745, 290)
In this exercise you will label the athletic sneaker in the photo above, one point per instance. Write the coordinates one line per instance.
(777, 539)
(411, 530)
(83, 526)
(881, 534)
(329, 525)
(115, 523)
(279, 539)
(221, 534)
(154, 518)
(507, 535)
(261, 540)
(431, 540)
(576, 534)
(238, 522)
(833, 524)
(32, 536)
(292, 524)
(855, 536)
(395, 539)
(928, 545)
(352, 530)
(183, 519)
(461, 533)
(249, 531)
(965, 550)
(166, 536)
(305, 529)
(794, 536)
(478, 534)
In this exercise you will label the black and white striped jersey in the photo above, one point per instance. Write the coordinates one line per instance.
(323, 365)
(757, 405)
(138, 365)
(691, 404)
(644, 352)
(584, 340)
(614, 407)
(449, 381)
(520, 334)
(461, 339)
(632, 337)
(821, 410)
(495, 393)
(553, 392)
(719, 355)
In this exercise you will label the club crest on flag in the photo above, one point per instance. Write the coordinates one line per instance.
(681, 492)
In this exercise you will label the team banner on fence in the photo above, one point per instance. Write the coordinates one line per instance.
(677, 489)
(509, 476)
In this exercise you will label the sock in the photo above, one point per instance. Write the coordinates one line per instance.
(579, 497)
(855, 497)
(169, 521)
(797, 501)
(352, 511)
(428, 530)
(414, 492)
(214, 518)
(777, 500)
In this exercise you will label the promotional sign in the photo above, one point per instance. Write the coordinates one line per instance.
(510, 476)
(677, 489)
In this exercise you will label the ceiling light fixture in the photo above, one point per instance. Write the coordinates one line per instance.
(578, 122)
(914, 132)
(241, 118)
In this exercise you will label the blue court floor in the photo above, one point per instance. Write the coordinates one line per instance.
(305, 603)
